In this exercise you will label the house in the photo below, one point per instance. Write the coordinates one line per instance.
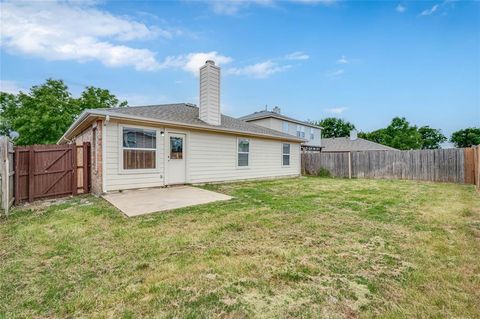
(352, 144)
(159, 145)
(276, 121)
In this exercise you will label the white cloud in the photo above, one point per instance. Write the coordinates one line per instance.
(336, 73)
(401, 8)
(75, 31)
(342, 60)
(337, 110)
(11, 87)
(193, 61)
(297, 56)
(430, 11)
(233, 7)
(259, 70)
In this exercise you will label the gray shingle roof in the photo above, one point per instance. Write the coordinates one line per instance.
(344, 144)
(265, 114)
(183, 113)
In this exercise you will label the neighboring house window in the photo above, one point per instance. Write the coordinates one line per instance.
(243, 151)
(139, 148)
(285, 127)
(300, 131)
(312, 133)
(285, 154)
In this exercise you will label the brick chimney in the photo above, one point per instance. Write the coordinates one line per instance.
(209, 111)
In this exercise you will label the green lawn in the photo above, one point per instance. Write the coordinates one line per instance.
(307, 247)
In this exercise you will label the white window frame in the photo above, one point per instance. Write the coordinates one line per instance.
(312, 133)
(301, 131)
(289, 154)
(238, 152)
(121, 170)
(285, 127)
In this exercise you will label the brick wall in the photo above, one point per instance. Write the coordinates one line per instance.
(96, 153)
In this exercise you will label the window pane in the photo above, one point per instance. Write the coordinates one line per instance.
(243, 146)
(286, 159)
(242, 159)
(286, 148)
(139, 138)
(138, 159)
(176, 147)
(285, 127)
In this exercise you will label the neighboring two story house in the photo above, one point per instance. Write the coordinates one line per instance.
(276, 121)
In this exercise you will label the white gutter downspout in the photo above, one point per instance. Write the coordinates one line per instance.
(104, 154)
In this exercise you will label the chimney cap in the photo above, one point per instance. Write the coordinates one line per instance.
(210, 62)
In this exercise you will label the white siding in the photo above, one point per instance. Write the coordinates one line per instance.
(210, 157)
(213, 158)
(115, 178)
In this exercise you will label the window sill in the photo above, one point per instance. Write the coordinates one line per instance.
(138, 171)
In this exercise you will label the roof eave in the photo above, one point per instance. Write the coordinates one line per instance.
(259, 117)
(92, 112)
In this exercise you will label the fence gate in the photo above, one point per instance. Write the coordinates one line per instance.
(50, 171)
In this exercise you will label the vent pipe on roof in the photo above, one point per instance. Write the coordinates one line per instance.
(209, 110)
(353, 135)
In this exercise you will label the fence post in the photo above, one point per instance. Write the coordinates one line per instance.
(73, 148)
(31, 173)
(4, 175)
(350, 165)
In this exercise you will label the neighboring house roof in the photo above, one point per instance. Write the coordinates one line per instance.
(266, 114)
(345, 144)
(181, 114)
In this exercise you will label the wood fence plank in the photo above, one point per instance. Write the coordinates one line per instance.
(442, 165)
(31, 173)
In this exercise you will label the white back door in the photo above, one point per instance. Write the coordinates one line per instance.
(175, 170)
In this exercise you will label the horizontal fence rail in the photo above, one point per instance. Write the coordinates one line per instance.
(457, 165)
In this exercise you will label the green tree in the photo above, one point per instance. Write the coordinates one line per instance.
(335, 127)
(431, 137)
(466, 138)
(42, 115)
(399, 134)
(96, 98)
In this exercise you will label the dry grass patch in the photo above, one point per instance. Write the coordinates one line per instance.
(307, 247)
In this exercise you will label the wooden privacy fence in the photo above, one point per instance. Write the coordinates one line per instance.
(456, 165)
(50, 171)
(7, 174)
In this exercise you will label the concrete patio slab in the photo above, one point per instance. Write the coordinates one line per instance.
(146, 201)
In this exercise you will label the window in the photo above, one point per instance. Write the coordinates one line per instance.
(139, 148)
(176, 147)
(285, 127)
(300, 131)
(243, 151)
(285, 154)
(312, 133)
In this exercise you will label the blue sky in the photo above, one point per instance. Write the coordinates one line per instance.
(362, 61)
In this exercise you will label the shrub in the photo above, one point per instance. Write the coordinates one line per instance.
(323, 172)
